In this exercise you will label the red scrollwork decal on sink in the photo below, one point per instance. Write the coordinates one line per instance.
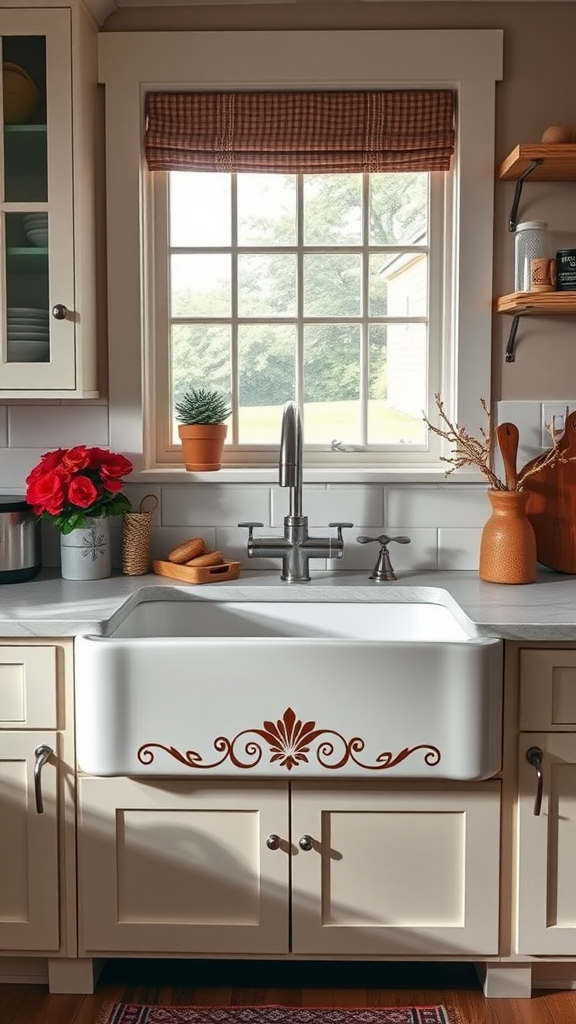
(290, 742)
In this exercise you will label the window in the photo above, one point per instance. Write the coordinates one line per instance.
(446, 325)
(306, 287)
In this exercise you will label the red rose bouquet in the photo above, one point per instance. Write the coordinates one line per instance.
(70, 484)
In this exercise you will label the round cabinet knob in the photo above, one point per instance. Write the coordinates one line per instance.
(273, 842)
(306, 843)
(59, 311)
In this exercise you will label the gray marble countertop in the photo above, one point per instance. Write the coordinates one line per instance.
(49, 606)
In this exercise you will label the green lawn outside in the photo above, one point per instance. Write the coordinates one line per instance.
(327, 420)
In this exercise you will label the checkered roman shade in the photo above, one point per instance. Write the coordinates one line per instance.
(300, 132)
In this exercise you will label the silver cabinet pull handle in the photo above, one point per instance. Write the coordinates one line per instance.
(59, 311)
(306, 842)
(43, 754)
(534, 757)
(273, 841)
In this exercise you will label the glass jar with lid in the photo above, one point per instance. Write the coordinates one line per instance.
(532, 242)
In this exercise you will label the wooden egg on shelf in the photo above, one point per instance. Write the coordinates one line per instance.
(558, 133)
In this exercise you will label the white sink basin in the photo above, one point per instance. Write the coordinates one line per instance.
(394, 689)
(416, 621)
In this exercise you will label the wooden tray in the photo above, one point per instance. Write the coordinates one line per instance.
(198, 573)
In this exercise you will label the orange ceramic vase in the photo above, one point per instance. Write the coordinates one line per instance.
(508, 545)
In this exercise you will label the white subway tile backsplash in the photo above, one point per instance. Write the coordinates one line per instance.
(219, 505)
(332, 504)
(61, 426)
(313, 498)
(429, 549)
(458, 548)
(435, 505)
(15, 465)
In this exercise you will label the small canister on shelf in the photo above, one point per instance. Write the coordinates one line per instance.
(531, 242)
(566, 270)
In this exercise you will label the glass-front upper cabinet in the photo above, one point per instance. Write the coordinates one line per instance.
(39, 316)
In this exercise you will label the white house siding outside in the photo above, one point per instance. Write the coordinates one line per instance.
(406, 343)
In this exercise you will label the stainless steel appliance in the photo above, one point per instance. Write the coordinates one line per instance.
(20, 540)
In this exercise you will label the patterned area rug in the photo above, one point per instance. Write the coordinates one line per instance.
(131, 1013)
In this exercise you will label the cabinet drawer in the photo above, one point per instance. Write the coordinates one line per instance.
(548, 690)
(28, 688)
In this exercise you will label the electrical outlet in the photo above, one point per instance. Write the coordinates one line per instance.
(553, 418)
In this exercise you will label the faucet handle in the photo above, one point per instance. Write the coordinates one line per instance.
(383, 570)
(339, 527)
(383, 540)
(250, 527)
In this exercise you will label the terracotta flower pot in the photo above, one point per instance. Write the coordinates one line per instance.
(508, 545)
(202, 445)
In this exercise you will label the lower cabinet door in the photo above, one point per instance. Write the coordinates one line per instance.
(395, 871)
(180, 867)
(547, 847)
(29, 890)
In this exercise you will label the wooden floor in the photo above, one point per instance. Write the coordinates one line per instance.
(211, 983)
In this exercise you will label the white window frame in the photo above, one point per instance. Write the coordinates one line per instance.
(131, 64)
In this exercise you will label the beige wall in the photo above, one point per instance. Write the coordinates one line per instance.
(539, 88)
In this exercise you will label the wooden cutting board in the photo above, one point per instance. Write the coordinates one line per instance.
(552, 506)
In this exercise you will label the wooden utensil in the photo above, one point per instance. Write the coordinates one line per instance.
(507, 434)
(552, 505)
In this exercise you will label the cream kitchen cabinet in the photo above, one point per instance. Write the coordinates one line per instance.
(179, 866)
(29, 884)
(48, 330)
(547, 803)
(37, 813)
(29, 917)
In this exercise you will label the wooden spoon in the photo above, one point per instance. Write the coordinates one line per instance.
(507, 434)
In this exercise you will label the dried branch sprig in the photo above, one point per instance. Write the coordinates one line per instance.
(553, 457)
(466, 449)
(470, 451)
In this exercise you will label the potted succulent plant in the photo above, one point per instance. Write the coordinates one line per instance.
(201, 413)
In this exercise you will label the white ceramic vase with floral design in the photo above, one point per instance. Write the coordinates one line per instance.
(85, 552)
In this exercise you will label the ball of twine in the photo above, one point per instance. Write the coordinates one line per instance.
(137, 538)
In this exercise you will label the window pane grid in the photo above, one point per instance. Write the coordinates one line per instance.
(338, 349)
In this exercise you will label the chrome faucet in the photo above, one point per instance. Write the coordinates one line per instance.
(296, 547)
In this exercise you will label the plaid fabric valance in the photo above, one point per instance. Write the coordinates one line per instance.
(300, 132)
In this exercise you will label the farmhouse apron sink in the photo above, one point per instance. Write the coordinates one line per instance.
(190, 687)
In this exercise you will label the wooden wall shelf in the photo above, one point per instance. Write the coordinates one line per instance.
(537, 161)
(543, 161)
(555, 162)
(537, 303)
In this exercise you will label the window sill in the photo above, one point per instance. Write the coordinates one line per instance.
(312, 475)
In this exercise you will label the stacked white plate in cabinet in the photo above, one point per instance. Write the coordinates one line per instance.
(28, 334)
(36, 228)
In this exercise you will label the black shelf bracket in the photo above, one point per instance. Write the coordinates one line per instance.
(512, 338)
(518, 192)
